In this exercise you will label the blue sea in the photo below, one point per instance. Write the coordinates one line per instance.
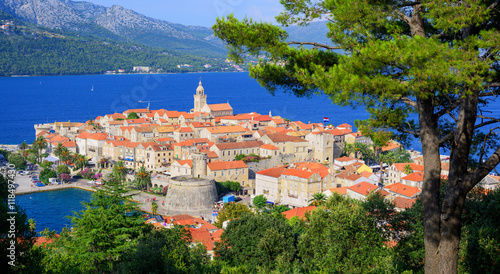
(32, 100)
(51, 209)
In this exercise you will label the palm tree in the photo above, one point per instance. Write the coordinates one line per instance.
(65, 155)
(39, 144)
(408, 170)
(80, 161)
(317, 199)
(154, 207)
(32, 224)
(349, 150)
(142, 178)
(24, 146)
(58, 150)
(119, 170)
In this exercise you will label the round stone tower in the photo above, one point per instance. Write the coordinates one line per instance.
(194, 192)
(188, 194)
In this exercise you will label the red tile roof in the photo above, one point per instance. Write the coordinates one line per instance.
(226, 129)
(344, 125)
(401, 202)
(274, 171)
(222, 165)
(98, 136)
(281, 138)
(84, 135)
(237, 145)
(298, 173)
(399, 188)
(269, 146)
(339, 190)
(345, 159)
(415, 177)
(220, 107)
(415, 167)
(339, 132)
(299, 212)
(138, 110)
(185, 162)
(363, 188)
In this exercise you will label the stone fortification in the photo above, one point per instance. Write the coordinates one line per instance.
(186, 193)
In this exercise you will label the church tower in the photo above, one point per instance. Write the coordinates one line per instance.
(200, 99)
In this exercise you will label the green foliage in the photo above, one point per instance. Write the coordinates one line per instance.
(102, 234)
(409, 253)
(154, 208)
(227, 186)
(132, 115)
(165, 251)
(343, 238)
(231, 211)
(63, 169)
(260, 201)
(5, 153)
(239, 157)
(157, 190)
(479, 250)
(31, 50)
(17, 160)
(260, 242)
(142, 178)
(24, 257)
(46, 174)
(318, 199)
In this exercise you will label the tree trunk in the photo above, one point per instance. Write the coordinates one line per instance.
(431, 184)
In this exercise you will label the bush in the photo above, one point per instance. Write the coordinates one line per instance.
(156, 189)
(225, 187)
(65, 177)
(63, 169)
(17, 160)
(46, 174)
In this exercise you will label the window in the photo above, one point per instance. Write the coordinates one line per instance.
(222, 173)
(215, 173)
(229, 173)
(310, 186)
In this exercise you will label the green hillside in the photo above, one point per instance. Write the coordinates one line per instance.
(28, 49)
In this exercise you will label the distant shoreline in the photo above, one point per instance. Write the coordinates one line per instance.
(90, 74)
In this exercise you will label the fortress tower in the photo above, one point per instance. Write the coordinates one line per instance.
(200, 99)
(199, 165)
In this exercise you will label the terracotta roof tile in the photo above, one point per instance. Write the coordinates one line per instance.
(274, 171)
(363, 188)
(220, 107)
(399, 188)
(185, 162)
(339, 190)
(299, 212)
(237, 145)
(415, 177)
(268, 146)
(402, 202)
(222, 165)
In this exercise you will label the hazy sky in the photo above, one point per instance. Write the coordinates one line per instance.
(199, 12)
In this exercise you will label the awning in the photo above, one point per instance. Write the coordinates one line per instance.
(51, 159)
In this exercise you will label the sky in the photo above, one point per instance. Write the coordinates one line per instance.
(199, 12)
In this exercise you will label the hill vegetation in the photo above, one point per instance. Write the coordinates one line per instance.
(28, 49)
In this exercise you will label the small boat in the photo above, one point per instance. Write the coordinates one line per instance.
(92, 89)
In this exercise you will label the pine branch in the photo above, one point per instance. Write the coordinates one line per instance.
(314, 44)
(492, 6)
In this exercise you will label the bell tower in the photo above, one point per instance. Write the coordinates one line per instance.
(200, 99)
